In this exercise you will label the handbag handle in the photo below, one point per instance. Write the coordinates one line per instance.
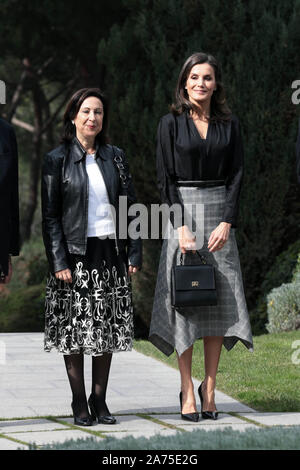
(119, 164)
(202, 257)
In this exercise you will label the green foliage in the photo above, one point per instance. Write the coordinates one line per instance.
(258, 47)
(259, 316)
(23, 311)
(141, 46)
(275, 438)
(266, 379)
(38, 270)
(283, 270)
(143, 286)
(31, 267)
(22, 302)
(284, 308)
(297, 269)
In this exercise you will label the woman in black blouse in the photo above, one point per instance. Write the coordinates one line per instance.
(200, 163)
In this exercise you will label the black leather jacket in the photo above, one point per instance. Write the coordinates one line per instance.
(65, 202)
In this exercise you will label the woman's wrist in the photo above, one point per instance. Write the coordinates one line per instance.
(182, 227)
(226, 223)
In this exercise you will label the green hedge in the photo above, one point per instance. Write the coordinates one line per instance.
(246, 37)
(283, 270)
(284, 307)
(297, 269)
(23, 310)
(274, 438)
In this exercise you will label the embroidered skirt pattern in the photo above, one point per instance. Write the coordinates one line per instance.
(94, 313)
(177, 328)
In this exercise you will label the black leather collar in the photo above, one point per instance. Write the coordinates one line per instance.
(79, 152)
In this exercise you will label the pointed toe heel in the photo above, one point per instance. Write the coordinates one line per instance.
(210, 415)
(206, 414)
(194, 417)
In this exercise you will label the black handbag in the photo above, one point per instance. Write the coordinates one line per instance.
(193, 285)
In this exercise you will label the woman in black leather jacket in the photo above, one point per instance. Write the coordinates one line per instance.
(88, 308)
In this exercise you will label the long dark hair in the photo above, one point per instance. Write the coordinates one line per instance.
(219, 108)
(72, 109)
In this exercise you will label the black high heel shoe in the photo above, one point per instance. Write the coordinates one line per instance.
(86, 421)
(206, 414)
(188, 416)
(105, 419)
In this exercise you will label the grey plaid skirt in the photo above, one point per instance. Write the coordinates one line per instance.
(169, 328)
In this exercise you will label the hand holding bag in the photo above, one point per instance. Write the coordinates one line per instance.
(193, 285)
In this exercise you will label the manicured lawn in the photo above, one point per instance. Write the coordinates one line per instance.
(266, 380)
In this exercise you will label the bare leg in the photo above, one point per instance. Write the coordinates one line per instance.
(187, 386)
(212, 352)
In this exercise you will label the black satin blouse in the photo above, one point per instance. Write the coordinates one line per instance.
(182, 155)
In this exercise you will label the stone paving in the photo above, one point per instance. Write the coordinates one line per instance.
(142, 393)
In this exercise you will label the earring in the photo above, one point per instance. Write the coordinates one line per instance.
(73, 122)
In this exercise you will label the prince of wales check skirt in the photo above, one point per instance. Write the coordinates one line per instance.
(171, 329)
(94, 313)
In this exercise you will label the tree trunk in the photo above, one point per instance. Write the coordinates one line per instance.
(35, 163)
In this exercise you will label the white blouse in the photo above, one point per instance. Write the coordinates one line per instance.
(100, 220)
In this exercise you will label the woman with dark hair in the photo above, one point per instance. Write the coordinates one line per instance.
(88, 308)
(200, 164)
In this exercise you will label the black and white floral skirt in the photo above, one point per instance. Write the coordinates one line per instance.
(94, 313)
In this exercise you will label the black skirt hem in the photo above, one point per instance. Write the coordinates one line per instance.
(85, 351)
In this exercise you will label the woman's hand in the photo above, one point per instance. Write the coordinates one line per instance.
(187, 241)
(132, 269)
(219, 237)
(64, 275)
